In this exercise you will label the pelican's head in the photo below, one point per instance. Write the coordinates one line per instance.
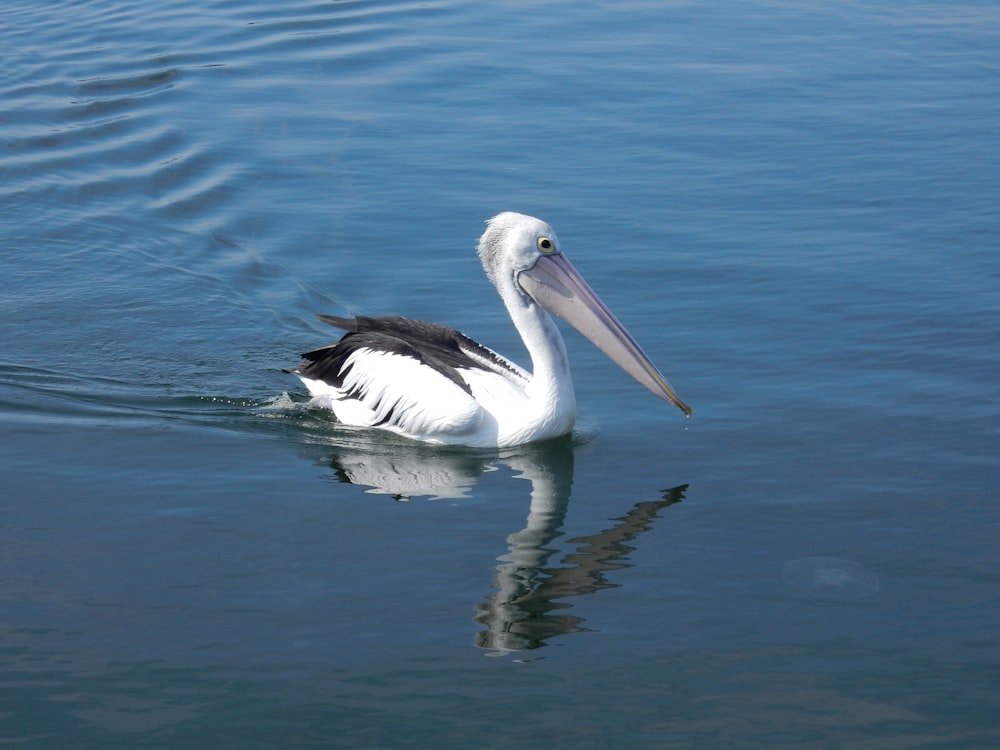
(523, 252)
(513, 243)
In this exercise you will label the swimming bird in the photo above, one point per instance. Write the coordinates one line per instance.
(431, 383)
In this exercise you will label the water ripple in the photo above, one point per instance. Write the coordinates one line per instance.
(93, 121)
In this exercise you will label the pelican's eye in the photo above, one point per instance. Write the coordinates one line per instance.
(546, 245)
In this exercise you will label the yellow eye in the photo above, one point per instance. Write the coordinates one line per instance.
(545, 245)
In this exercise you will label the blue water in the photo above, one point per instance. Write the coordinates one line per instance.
(793, 207)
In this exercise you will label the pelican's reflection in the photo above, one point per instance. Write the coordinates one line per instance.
(414, 471)
(528, 604)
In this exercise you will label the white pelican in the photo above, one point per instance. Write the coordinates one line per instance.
(432, 383)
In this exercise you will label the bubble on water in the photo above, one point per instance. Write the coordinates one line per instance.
(830, 577)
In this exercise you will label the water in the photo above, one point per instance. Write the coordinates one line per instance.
(793, 208)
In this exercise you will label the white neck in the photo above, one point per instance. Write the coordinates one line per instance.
(551, 386)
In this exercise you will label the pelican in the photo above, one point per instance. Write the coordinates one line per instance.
(431, 383)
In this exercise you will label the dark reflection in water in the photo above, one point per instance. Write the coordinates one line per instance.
(521, 613)
(528, 605)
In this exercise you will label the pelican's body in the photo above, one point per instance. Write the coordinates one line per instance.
(432, 383)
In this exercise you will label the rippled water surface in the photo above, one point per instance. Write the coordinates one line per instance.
(794, 207)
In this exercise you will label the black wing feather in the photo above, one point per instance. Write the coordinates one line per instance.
(450, 347)
(434, 345)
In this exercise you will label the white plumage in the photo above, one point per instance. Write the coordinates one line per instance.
(434, 384)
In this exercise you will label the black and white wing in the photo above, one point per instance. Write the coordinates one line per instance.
(415, 377)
